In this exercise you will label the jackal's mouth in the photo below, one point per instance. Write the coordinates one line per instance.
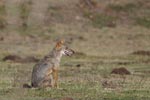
(69, 52)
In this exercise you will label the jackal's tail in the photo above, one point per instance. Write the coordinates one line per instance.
(27, 86)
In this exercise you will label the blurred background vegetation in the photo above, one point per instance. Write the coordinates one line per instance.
(107, 21)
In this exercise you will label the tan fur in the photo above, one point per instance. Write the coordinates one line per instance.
(59, 44)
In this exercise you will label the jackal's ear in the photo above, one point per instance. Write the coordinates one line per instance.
(59, 43)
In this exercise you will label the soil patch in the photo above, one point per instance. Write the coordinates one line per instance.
(18, 59)
(66, 98)
(141, 52)
(120, 71)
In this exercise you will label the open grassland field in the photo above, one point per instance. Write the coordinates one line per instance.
(105, 34)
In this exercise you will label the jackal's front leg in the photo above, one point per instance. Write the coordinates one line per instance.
(55, 77)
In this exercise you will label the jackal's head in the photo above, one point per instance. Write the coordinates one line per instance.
(63, 49)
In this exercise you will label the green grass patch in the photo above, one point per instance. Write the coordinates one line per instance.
(130, 7)
(36, 32)
(143, 21)
(80, 83)
(2, 22)
(76, 91)
(100, 21)
(2, 17)
(2, 9)
(25, 9)
(55, 12)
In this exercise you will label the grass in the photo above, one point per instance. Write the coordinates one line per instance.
(130, 7)
(100, 21)
(87, 75)
(143, 21)
(114, 14)
(2, 16)
(83, 83)
(25, 9)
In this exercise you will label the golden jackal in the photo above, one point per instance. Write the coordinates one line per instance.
(45, 72)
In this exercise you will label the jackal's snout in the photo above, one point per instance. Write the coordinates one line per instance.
(63, 49)
(69, 52)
